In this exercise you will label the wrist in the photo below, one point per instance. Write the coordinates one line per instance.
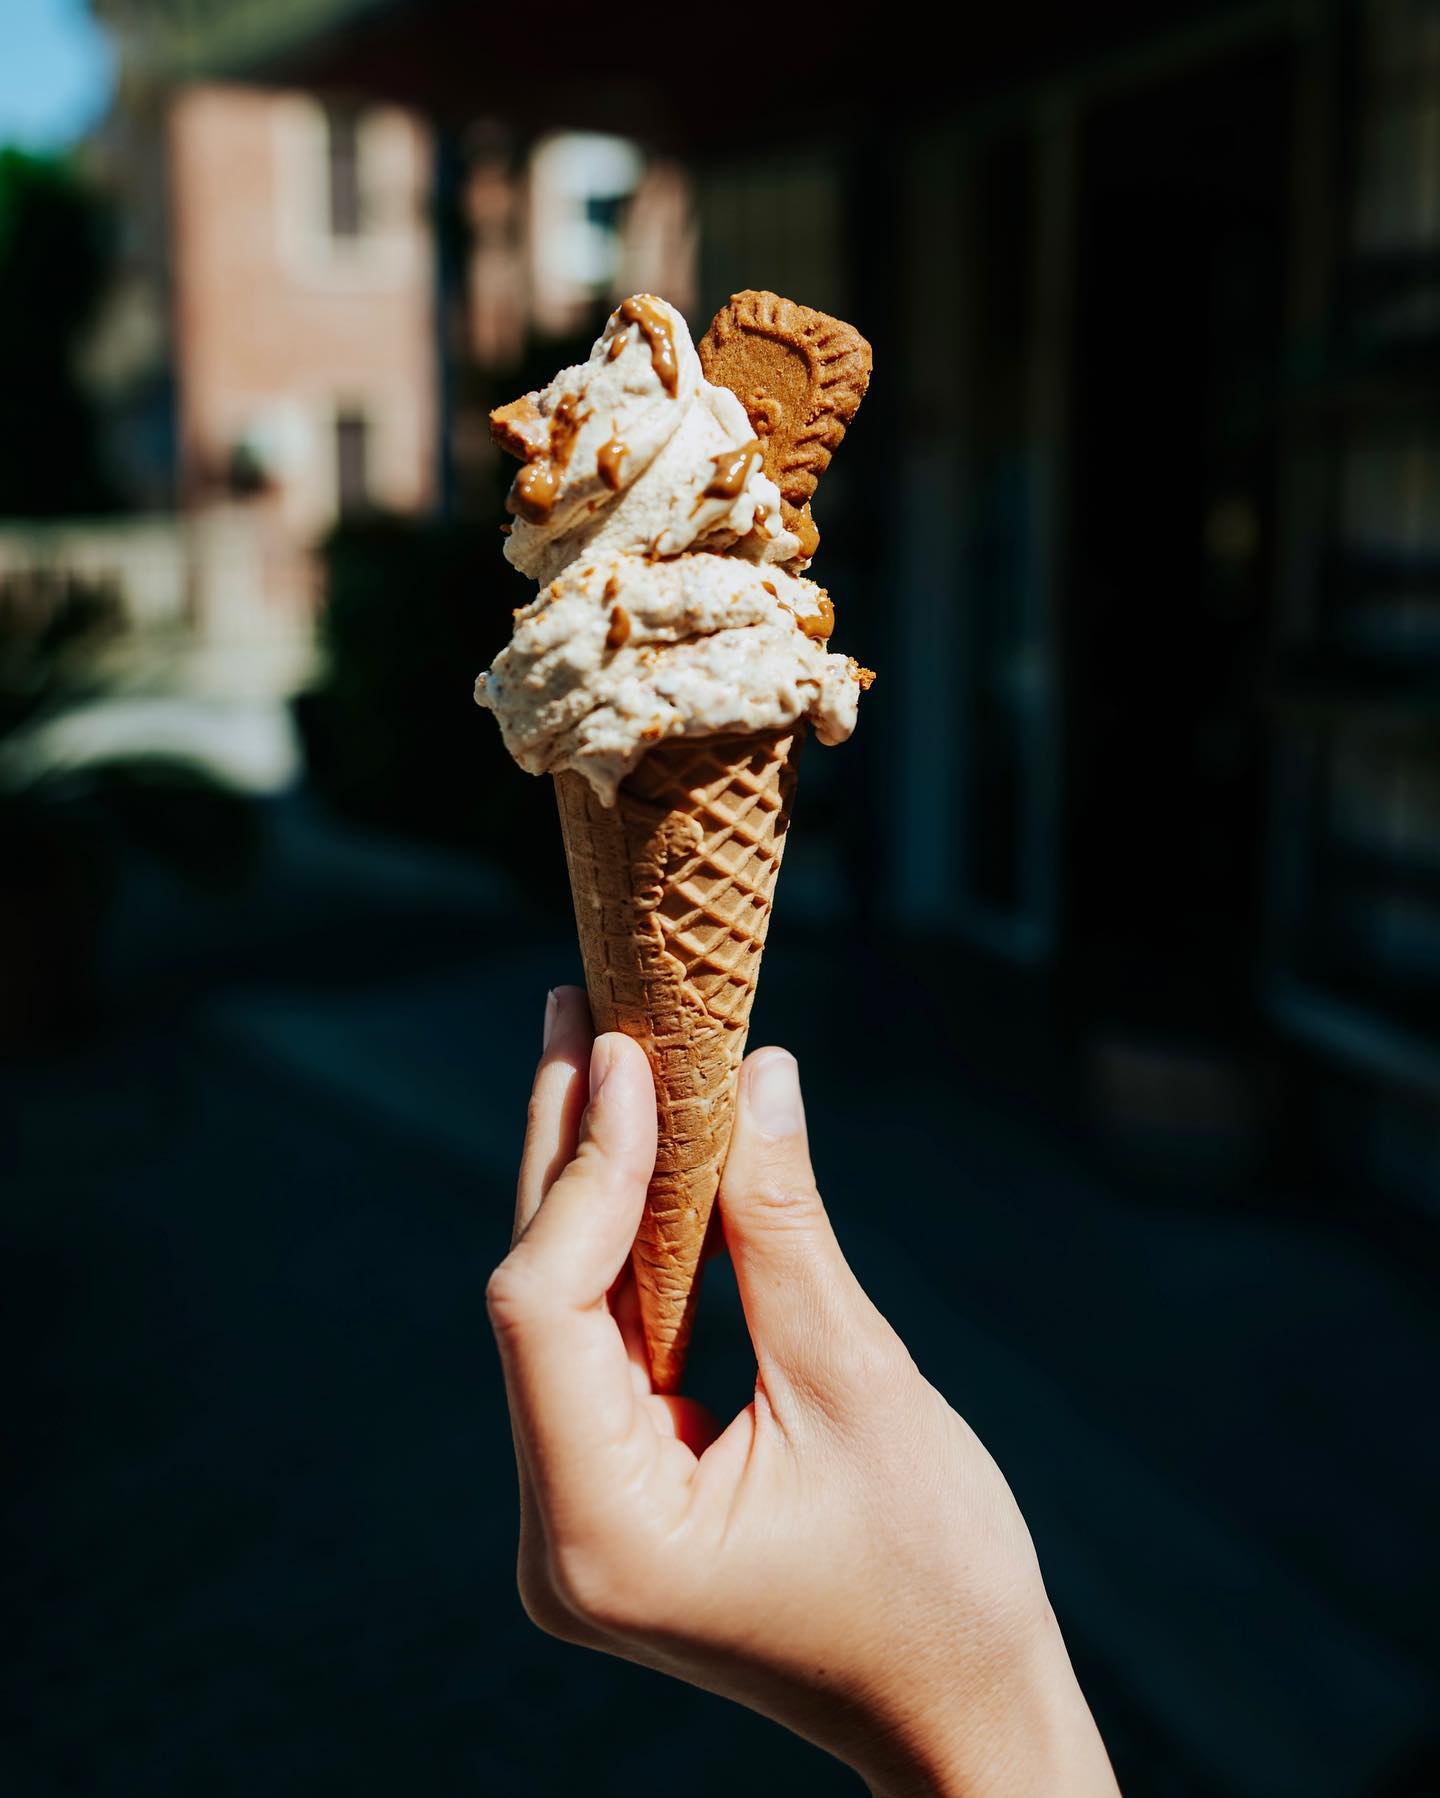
(1024, 1728)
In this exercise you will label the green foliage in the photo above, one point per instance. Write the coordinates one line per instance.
(51, 623)
(56, 247)
(415, 610)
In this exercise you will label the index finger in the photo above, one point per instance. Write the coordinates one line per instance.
(567, 1374)
(557, 1102)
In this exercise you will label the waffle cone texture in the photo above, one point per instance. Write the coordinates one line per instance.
(673, 887)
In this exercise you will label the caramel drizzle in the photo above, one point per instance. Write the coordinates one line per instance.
(534, 491)
(732, 470)
(610, 460)
(818, 624)
(643, 309)
(537, 486)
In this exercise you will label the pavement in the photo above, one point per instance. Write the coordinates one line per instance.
(261, 1505)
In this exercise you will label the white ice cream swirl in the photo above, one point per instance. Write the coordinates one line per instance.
(634, 450)
(672, 603)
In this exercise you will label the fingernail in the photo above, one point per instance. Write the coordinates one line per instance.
(552, 1005)
(775, 1103)
(602, 1057)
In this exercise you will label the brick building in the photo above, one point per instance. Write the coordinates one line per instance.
(314, 297)
(303, 320)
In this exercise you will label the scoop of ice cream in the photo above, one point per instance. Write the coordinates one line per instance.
(621, 653)
(634, 450)
(673, 602)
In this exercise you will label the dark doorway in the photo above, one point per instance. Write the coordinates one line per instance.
(1180, 266)
(352, 462)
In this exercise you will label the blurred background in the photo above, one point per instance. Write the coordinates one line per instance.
(1110, 946)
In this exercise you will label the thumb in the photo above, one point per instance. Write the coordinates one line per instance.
(806, 1312)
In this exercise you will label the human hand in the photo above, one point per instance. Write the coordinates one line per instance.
(843, 1556)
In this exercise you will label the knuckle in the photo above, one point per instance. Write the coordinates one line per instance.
(544, 1607)
(875, 1362)
(876, 1353)
(857, 1373)
(584, 1583)
(603, 1587)
(508, 1296)
(780, 1201)
(588, 1162)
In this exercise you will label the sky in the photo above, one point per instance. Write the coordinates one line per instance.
(56, 72)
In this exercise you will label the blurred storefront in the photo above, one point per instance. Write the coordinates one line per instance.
(1139, 524)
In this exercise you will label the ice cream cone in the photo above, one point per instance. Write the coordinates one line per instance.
(665, 672)
(673, 886)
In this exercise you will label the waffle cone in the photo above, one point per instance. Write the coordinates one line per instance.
(672, 889)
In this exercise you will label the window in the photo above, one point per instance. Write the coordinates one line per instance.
(580, 185)
(350, 186)
(352, 450)
(343, 154)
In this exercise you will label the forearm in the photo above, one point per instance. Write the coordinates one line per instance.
(1028, 1732)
